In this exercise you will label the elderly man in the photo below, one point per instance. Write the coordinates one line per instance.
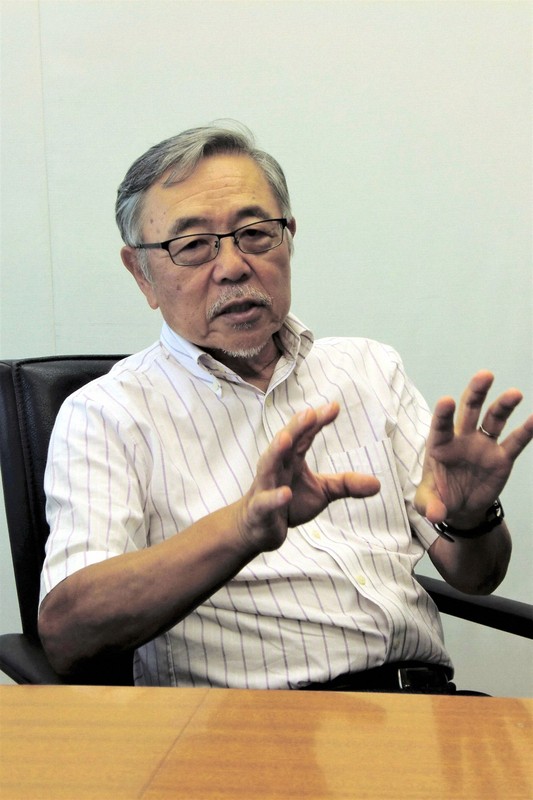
(244, 505)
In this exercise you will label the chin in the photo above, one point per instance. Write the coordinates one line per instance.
(242, 352)
(238, 347)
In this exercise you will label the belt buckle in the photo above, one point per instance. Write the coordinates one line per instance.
(412, 679)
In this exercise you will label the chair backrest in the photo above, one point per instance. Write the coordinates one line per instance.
(31, 393)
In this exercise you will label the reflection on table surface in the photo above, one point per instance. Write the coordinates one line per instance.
(201, 744)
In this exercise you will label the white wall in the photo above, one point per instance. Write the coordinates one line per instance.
(404, 129)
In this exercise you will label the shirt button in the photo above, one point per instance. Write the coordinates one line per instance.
(316, 534)
(268, 400)
(361, 580)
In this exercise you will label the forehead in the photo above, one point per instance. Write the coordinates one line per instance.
(220, 186)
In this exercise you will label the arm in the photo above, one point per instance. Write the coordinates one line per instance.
(129, 599)
(474, 566)
(465, 470)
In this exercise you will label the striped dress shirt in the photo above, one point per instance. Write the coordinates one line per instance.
(171, 434)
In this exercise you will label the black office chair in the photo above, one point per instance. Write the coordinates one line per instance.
(31, 392)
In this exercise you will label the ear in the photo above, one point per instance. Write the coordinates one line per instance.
(291, 225)
(130, 260)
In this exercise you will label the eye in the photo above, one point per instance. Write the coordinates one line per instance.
(192, 250)
(256, 233)
(189, 244)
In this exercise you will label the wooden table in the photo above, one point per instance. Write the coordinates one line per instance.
(72, 743)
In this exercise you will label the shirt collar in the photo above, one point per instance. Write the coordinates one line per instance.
(295, 338)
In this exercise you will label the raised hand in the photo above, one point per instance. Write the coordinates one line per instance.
(285, 492)
(465, 466)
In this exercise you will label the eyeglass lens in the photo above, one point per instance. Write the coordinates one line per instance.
(198, 248)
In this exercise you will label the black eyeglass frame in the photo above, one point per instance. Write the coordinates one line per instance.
(219, 236)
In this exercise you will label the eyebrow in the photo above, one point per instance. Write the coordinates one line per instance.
(183, 223)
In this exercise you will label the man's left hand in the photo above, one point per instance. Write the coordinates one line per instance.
(466, 467)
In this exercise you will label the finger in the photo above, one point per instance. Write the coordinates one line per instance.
(305, 425)
(472, 401)
(271, 464)
(291, 444)
(268, 502)
(350, 484)
(499, 412)
(442, 427)
(518, 439)
(429, 504)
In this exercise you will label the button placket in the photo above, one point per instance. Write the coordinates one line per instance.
(350, 566)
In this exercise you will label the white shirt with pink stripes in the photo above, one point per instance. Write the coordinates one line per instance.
(171, 434)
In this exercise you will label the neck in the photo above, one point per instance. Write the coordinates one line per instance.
(255, 369)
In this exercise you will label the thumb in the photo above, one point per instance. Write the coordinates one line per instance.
(351, 484)
(428, 503)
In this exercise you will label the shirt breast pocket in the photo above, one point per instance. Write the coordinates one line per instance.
(380, 520)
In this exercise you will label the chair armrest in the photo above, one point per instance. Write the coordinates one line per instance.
(493, 611)
(24, 661)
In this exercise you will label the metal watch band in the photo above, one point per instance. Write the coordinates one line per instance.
(493, 517)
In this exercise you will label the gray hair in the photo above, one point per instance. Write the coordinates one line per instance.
(181, 154)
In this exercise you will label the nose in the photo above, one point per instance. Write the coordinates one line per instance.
(230, 264)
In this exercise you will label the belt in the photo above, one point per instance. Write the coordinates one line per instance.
(404, 676)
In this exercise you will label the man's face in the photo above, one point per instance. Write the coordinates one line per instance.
(236, 302)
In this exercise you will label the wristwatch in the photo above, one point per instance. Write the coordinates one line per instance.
(493, 517)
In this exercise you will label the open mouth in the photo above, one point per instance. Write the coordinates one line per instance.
(239, 305)
(241, 312)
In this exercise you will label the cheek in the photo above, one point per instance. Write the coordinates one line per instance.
(282, 285)
(183, 302)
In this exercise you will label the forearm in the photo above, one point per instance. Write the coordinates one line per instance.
(127, 600)
(474, 566)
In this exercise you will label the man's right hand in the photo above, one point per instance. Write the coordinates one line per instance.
(285, 492)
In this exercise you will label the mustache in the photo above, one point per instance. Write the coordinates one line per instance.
(238, 293)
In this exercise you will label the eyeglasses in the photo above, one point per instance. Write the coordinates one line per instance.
(199, 248)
